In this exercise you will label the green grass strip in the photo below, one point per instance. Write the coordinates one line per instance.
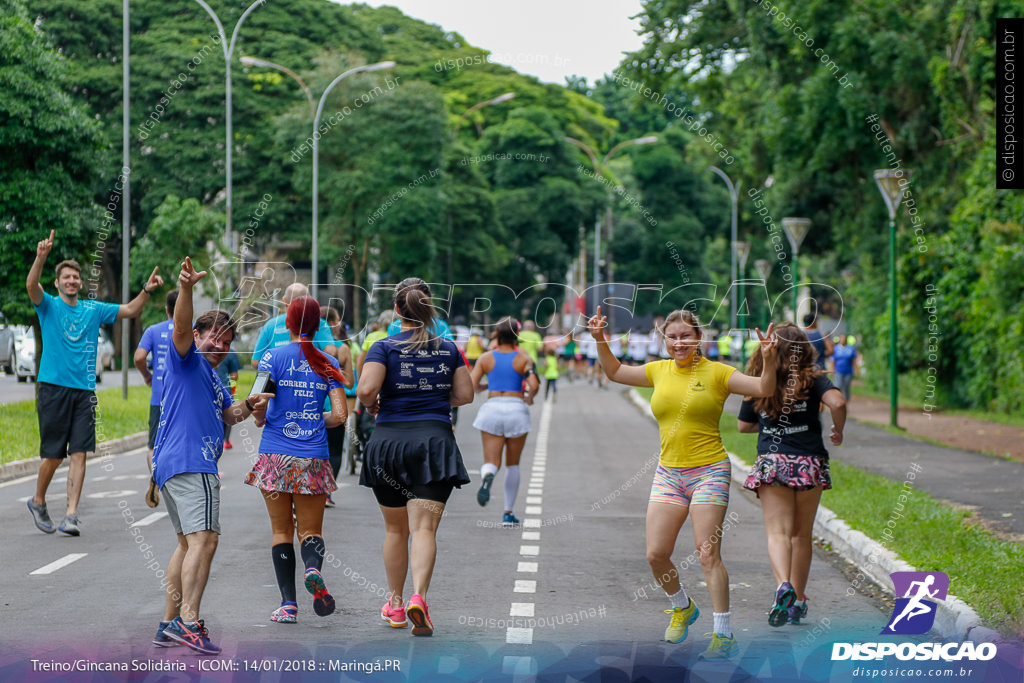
(116, 418)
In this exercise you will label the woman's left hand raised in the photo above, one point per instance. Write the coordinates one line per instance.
(769, 343)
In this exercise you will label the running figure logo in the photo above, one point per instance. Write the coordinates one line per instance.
(914, 613)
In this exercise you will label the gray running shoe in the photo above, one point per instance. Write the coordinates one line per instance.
(41, 517)
(70, 525)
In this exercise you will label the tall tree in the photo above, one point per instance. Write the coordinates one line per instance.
(51, 151)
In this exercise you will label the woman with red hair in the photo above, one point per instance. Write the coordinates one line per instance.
(293, 470)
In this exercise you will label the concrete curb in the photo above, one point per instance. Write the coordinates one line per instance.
(955, 620)
(21, 468)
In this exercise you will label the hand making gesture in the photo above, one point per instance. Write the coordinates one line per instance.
(188, 277)
(44, 246)
(598, 326)
(153, 282)
(769, 343)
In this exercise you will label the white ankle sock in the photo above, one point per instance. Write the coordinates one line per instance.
(511, 486)
(488, 468)
(722, 623)
(679, 600)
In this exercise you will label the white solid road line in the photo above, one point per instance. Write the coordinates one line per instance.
(150, 518)
(58, 564)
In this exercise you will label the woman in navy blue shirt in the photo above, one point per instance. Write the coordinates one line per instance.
(791, 469)
(411, 381)
(293, 470)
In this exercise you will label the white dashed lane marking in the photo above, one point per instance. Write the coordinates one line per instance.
(58, 564)
(524, 636)
(150, 518)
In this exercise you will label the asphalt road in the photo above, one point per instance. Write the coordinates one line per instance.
(578, 571)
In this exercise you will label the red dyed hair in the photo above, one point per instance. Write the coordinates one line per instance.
(303, 319)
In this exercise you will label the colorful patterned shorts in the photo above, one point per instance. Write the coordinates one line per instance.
(704, 485)
(289, 474)
(798, 472)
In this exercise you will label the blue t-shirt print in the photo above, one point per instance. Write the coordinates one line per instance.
(417, 384)
(295, 422)
(70, 335)
(191, 433)
(155, 340)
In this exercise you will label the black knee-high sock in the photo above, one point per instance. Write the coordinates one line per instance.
(313, 551)
(284, 567)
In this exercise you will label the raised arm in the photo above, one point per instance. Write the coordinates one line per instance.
(182, 335)
(35, 290)
(764, 385)
(616, 371)
(133, 309)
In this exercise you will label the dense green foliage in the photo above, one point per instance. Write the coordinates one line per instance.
(50, 150)
(789, 88)
(498, 202)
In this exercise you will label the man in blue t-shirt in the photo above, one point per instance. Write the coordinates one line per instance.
(274, 333)
(194, 408)
(844, 364)
(155, 341)
(66, 391)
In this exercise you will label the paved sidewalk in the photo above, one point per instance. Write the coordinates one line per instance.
(988, 486)
(956, 431)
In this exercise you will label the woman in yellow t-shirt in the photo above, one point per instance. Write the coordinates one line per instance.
(692, 478)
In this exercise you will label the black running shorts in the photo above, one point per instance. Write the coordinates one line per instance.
(395, 495)
(154, 424)
(67, 421)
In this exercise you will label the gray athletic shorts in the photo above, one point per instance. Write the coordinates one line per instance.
(506, 416)
(193, 502)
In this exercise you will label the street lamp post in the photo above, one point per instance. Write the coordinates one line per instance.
(229, 49)
(891, 184)
(646, 140)
(734, 191)
(254, 61)
(126, 193)
(764, 271)
(741, 251)
(315, 278)
(480, 105)
(796, 230)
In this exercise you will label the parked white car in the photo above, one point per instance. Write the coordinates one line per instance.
(25, 354)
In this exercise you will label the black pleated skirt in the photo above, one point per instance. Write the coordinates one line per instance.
(413, 453)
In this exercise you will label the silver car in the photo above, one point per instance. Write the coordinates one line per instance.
(25, 354)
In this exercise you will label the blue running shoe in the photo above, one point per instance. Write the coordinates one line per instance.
(194, 636)
(785, 597)
(484, 494)
(509, 520)
(161, 639)
(797, 612)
